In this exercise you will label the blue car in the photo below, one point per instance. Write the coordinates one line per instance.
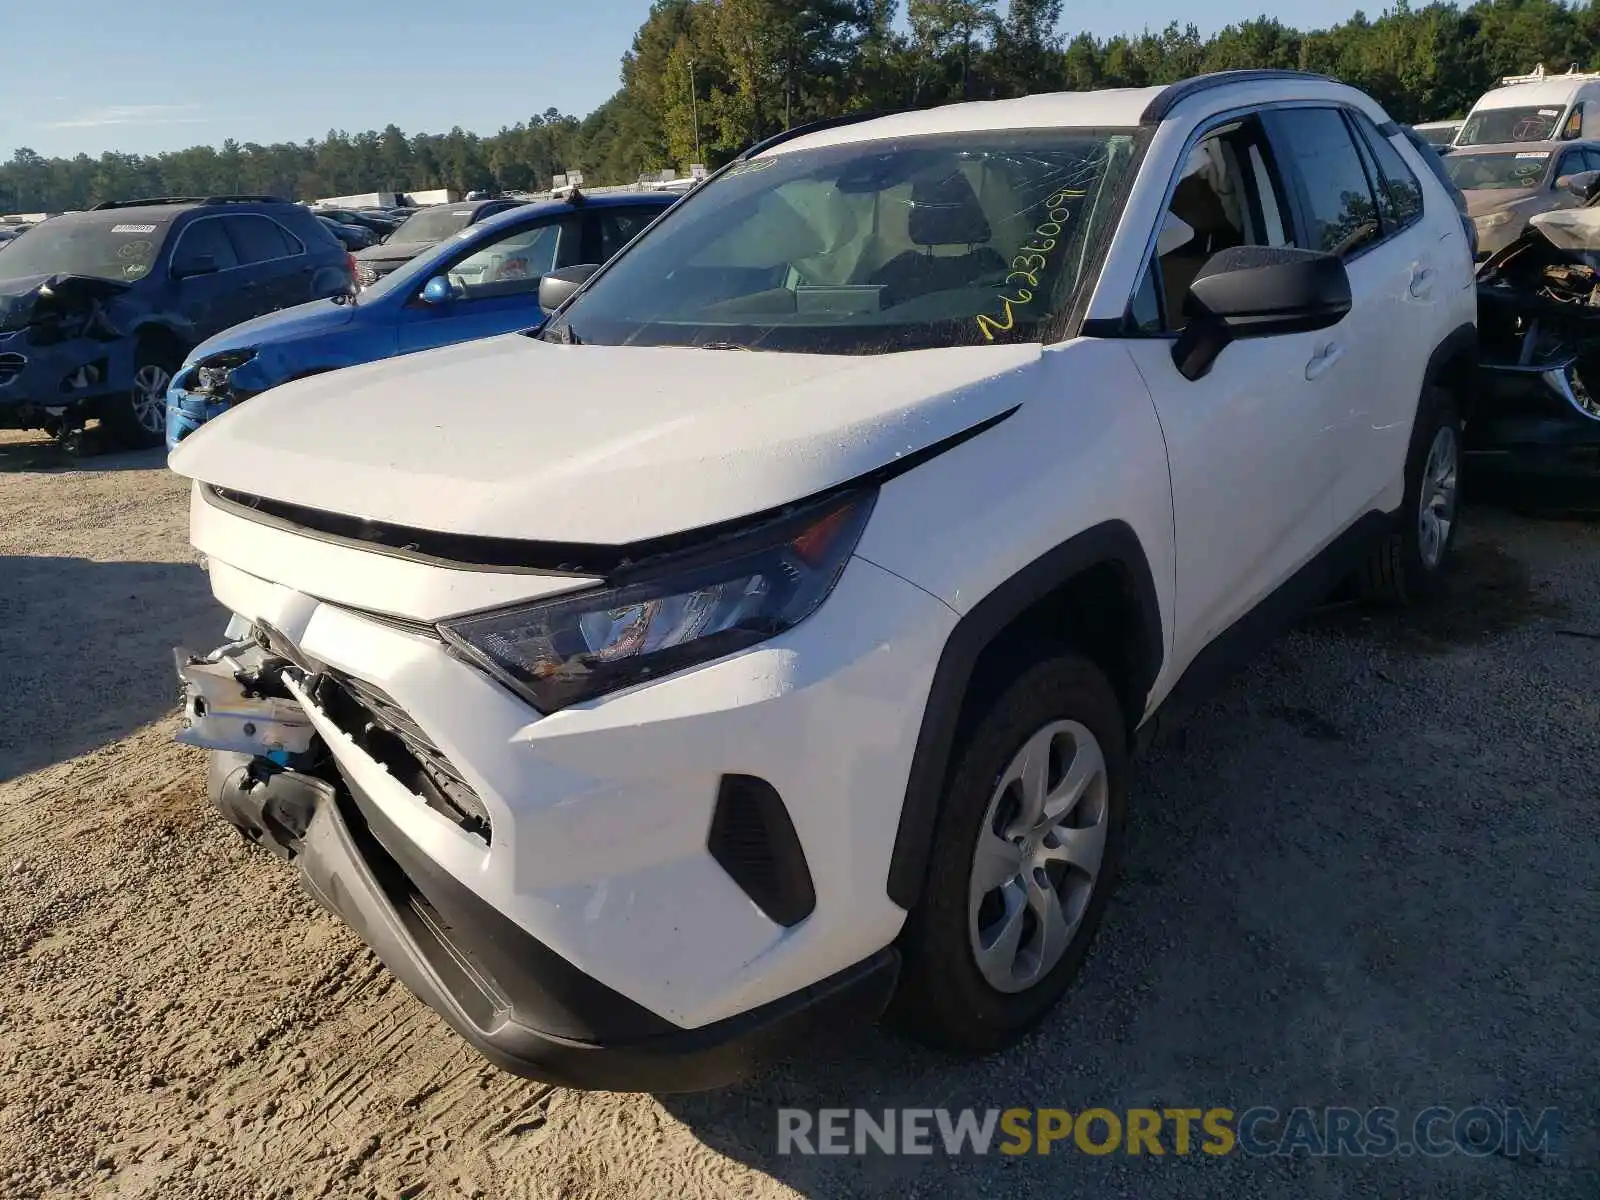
(479, 282)
(98, 308)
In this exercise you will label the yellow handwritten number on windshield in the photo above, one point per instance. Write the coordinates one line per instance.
(1030, 262)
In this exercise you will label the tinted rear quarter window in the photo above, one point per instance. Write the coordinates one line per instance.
(313, 233)
(1399, 192)
(1339, 203)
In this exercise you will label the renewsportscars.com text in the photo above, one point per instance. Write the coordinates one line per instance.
(1259, 1131)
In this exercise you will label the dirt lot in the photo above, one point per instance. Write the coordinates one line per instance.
(1368, 877)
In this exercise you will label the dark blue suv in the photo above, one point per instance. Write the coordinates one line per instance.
(99, 308)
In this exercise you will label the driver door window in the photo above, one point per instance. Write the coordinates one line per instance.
(514, 265)
(1228, 195)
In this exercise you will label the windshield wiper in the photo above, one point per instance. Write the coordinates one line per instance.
(720, 346)
(562, 335)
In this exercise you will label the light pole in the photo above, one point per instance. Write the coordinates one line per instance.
(694, 107)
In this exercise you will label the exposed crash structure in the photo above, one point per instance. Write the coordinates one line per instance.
(63, 349)
(1538, 419)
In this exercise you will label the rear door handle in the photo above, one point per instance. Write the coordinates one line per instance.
(1323, 360)
(1421, 283)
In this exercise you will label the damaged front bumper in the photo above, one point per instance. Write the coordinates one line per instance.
(517, 1002)
(63, 384)
(202, 391)
(1536, 421)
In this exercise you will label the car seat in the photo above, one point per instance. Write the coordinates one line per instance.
(944, 212)
(1196, 204)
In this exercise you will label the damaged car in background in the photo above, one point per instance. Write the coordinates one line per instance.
(1507, 184)
(1537, 421)
(482, 281)
(98, 308)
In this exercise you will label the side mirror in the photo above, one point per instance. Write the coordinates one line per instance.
(1258, 291)
(556, 288)
(437, 291)
(200, 264)
(1584, 184)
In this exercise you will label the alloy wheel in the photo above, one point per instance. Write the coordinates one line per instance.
(1436, 512)
(1038, 857)
(149, 397)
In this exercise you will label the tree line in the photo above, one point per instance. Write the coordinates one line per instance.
(705, 78)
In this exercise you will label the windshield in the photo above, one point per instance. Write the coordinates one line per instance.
(869, 247)
(1439, 136)
(1489, 172)
(1527, 123)
(102, 245)
(432, 225)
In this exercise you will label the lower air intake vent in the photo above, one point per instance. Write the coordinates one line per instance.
(753, 840)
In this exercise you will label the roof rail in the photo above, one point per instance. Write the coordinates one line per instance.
(1174, 94)
(788, 135)
(149, 201)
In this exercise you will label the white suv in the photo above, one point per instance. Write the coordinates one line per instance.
(766, 638)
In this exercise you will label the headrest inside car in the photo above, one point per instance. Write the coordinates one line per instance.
(945, 212)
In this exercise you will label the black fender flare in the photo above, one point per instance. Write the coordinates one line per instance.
(1461, 343)
(1112, 542)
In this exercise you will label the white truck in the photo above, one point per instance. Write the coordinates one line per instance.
(1536, 107)
(641, 729)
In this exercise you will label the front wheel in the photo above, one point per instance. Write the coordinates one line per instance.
(1026, 848)
(140, 420)
(1409, 564)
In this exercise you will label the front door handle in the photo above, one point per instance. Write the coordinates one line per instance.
(1323, 359)
(1422, 283)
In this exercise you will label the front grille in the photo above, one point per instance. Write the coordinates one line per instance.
(387, 732)
(11, 365)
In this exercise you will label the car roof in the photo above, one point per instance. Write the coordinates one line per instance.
(537, 209)
(1107, 108)
(1557, 89)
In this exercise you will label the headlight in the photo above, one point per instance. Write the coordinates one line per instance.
(1493, 220)
(213, 374)
(669, 614)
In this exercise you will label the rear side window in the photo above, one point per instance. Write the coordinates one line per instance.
(204, 239)
(619, 226)
(316, 235)
(1340, 208)
(259, 239)
(1403, 187)
(1399, 193)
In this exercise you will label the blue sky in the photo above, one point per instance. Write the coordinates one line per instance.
(150, 75)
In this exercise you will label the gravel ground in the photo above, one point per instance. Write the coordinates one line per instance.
(1364, 876)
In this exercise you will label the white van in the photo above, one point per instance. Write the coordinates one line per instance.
(1535, 108)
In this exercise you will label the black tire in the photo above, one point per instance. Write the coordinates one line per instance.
(943, 998)
(1397, 572)
(121, 417)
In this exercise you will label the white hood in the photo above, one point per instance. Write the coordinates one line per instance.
(512, 437)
